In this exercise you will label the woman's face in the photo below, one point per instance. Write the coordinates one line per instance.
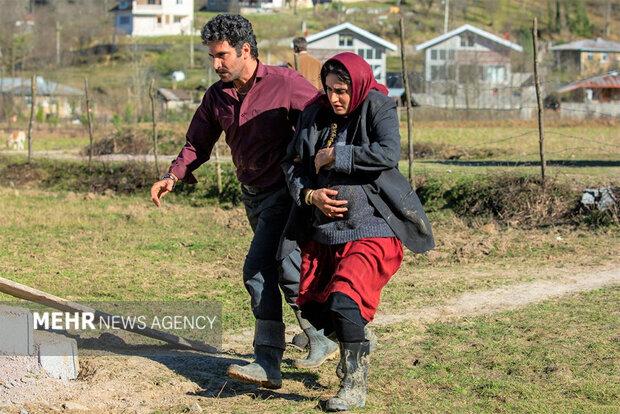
(338, 94)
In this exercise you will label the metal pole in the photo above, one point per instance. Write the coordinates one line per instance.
(541, 130)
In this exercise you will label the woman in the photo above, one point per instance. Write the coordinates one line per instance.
(354, 210)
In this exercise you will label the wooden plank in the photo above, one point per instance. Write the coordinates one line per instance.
(34, 295)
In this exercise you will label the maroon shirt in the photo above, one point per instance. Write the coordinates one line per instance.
(258, 128)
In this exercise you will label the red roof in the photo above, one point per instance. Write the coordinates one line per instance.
(610, 80)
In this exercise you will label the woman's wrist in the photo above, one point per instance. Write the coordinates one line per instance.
(308, 196)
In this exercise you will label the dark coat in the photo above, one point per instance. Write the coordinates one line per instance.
(372, 154)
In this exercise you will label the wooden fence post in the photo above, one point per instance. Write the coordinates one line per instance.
(90, 123)
(33, 95)
(154, 133)
(539, 99)
(403, 58)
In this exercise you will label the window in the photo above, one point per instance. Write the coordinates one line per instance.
(604, 57)
(433, 55)
(590, 56)
(368, 53)
(152, 2)
(179, 1)
(467, 40)
(123, 20)
(177, 19)
(442, 54)
(361, 52)
(438, 72)
(345, 40)
(158, 19)
(443, 72)
(494, 74)
(451, 54)
(377, 71)
(377, 54)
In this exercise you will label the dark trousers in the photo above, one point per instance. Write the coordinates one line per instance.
(263, 274)
(340, 314)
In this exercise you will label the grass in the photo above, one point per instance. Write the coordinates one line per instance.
(555, 357)
(120, 248)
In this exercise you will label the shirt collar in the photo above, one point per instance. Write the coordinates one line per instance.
(261, 71)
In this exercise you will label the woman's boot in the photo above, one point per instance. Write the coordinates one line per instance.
(370, 337)
(354, 385)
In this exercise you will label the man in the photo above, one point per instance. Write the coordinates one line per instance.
(257, 107)
(307, 65)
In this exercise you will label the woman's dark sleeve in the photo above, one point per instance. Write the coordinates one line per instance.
(383, 151)
(296, 175)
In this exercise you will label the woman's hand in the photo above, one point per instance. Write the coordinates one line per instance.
(325, 157)
(324, 201)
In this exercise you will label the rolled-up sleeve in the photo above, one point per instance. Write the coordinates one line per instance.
(203, 132)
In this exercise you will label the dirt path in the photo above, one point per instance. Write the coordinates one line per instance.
(476, 303)
(504, 298)
(135, 383)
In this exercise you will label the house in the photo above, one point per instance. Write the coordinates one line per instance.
(587, 57)
(53, 98)
(234, 6)
(347, 37)
(153, 17)
(175, 99)
(593, 97)
(468, 55)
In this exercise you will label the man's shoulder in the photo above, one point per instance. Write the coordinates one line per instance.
(280, 72)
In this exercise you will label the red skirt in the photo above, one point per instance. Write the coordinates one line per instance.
(358, 269)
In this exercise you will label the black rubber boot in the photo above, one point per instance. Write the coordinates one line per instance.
(268, 350)
(321, 347)
(354, 385)
(370, 337)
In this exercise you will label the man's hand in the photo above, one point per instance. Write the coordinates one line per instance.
(325, 157)
(160, 189)
(324, 201)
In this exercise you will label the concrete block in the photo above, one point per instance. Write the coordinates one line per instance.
(16, 331)
(58, 355)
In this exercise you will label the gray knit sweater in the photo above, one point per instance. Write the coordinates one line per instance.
(361, 220)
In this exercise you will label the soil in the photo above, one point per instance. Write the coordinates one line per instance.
(185, 381)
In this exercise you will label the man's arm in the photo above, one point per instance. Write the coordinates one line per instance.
(202, 134)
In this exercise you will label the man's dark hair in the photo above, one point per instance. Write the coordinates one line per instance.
(300, 44)
(233, 28)
(338, 69)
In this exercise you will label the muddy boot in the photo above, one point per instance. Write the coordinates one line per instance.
(354, 385)
(321, 347)
(268, 350)
(370, 337)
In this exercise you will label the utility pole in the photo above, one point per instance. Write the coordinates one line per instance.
(446, 16)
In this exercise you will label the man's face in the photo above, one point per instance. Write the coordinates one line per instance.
(225, 61)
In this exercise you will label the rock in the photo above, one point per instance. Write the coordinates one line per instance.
(195, 408)
(73, 406)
